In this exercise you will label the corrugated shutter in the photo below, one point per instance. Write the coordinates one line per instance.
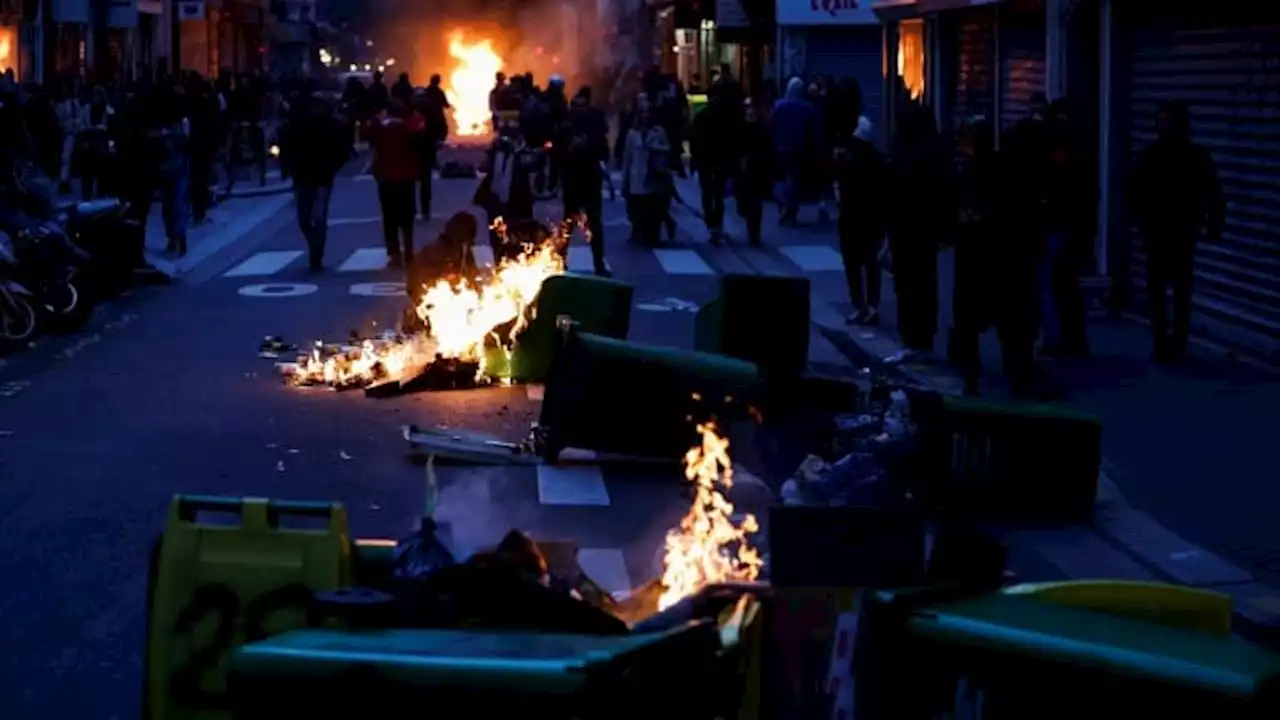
(850, 52)
(975, 63)
(1230, 79)
(1022, 64)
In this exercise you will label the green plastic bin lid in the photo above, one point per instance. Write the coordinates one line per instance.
(541, 663)
(1018, 626)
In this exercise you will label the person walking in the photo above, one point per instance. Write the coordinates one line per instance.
(434, 105)
(93, 146)
(646, 174)
(713, 151)
(754, 181)
(396, 136)
(1176, 196)
(587, 148)
(314, 145)
(862, 174)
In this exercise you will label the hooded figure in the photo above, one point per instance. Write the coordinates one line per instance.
(797, 140)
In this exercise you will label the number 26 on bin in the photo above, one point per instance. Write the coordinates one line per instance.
(235, 618)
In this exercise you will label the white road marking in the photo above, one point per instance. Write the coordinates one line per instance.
(365, 259)
(682, 262)
(572, 485)
(378, 289)
(335, 222)
(607, 568)
(278, 290)
(813, 258)
(264, 263)
(580, 259)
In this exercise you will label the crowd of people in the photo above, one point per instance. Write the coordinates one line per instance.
(1016, 206)
(160, 135)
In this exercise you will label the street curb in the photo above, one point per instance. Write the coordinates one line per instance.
(1168, 557)
(275, 189)
(241, 224)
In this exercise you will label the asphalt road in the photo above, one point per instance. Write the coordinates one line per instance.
(166, 394)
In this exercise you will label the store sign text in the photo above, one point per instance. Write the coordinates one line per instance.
(825, 12)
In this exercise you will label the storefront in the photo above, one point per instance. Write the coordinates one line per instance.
(1223, 61)
(837, 38)
(984, 58)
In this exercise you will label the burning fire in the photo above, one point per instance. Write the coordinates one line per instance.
(462, 317)
(708, 547)
(470, 83)
(459, 320)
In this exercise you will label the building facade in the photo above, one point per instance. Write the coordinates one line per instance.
(217, 35)
(1117, 63)
(837, 38)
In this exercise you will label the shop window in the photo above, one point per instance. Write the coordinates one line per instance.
(9, 49)
(911, 57)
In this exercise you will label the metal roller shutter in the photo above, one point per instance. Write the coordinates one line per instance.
(974, 90)
(850, 52)
(1022, 64)
(1230, 80)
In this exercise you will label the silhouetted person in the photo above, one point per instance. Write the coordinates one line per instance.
(1177, 197)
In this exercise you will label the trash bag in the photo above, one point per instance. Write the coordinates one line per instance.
(417, 558)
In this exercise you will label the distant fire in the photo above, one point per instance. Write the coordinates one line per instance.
(470, 81)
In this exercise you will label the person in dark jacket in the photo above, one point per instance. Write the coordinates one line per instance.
(586, 149)
(973, 293)
(754, 181)
(450, 258)
(713, 153)
(1176, 196)
(403, 87)
(862, 174)
(921, 216)
(314, 147)
(396, 136)
(378, 97)
(432, 105)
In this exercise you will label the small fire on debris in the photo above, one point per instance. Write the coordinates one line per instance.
(460, 320)
(709, 546)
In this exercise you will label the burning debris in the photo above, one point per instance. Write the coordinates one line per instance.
(709, 547)
(463, 322)
(470, 83)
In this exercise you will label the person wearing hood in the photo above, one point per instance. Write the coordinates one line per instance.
(402, 87)
(862, 174)
(797, 139)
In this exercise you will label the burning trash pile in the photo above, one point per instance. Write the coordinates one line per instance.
(710, 548)
(463, 322)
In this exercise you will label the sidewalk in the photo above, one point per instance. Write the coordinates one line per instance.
(226, 223)
(1187, 444)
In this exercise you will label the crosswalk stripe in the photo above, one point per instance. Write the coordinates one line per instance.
(580, 259)
(607, 568)
(336, 222)
(572, 485)
(264, 263)
(682, 262)
(365, 259)
(813, 258)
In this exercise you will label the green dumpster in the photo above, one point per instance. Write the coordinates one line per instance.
(628, 398)
(921, 653)
(1013, 460)
(599, 305)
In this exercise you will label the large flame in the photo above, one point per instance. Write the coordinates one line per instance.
(709, 546)
(459, 318)
(470, 83)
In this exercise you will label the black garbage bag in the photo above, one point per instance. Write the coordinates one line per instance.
(508, 589)
(417, 558)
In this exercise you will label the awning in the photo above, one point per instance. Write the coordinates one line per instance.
(890, 10)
